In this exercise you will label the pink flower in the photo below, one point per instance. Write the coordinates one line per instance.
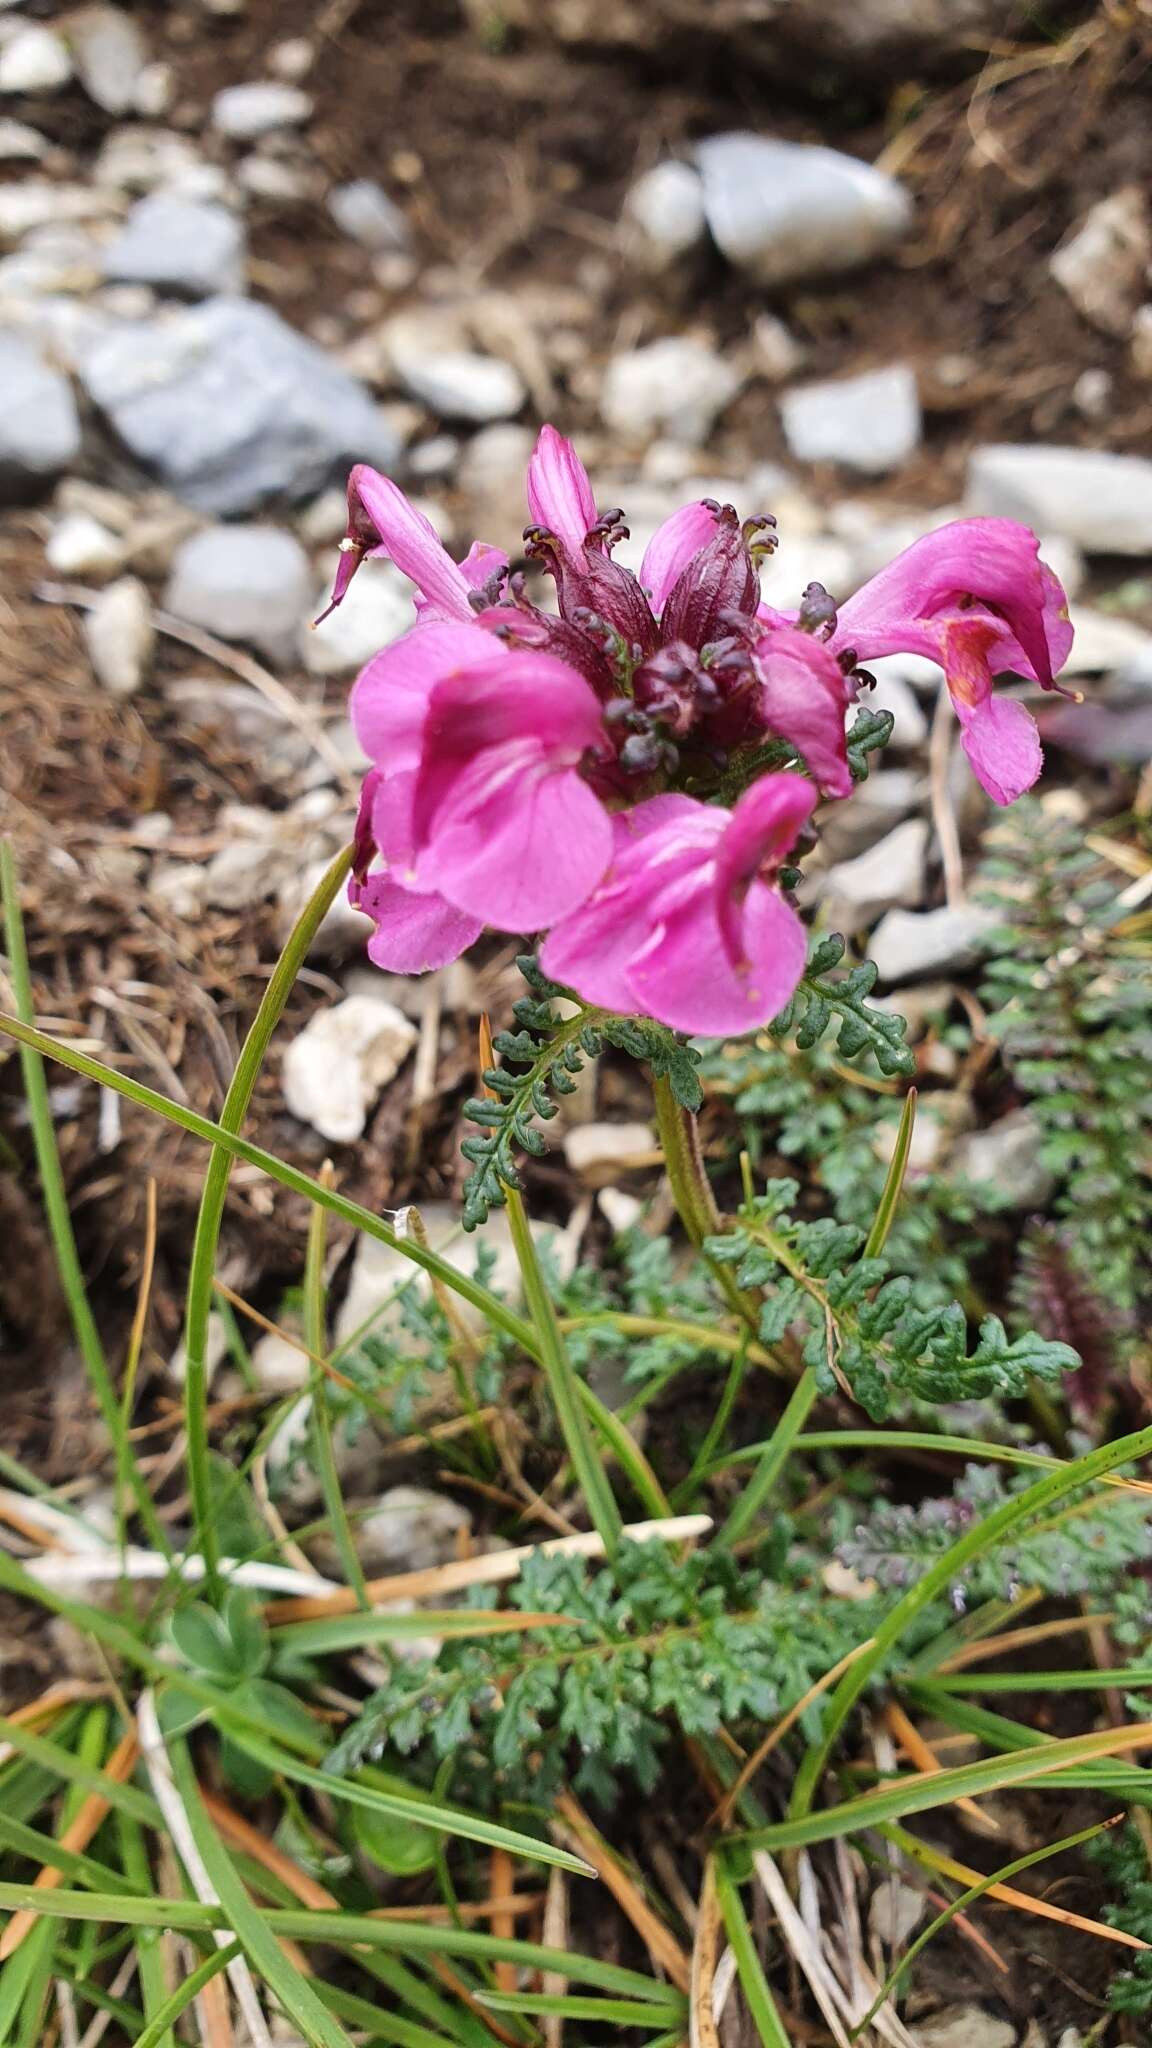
(416, 929)
(688, 925)
(500, 821)
(381, 521)
(804, 696)
(975, 597)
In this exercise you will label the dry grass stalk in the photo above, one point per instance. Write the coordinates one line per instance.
(585, 1838)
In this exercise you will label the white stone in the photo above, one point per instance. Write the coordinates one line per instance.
(135, 159)
(876, 807)
(918, 671)
(39, 426)
(243, 873)
(1092, 394)
(895, 1912)
(665, 212)
(677, 386)
(280, 1367)
(891, 872)
(601, 1150)
(1103, 266)
(121, 636)
(292, 59)
(1100, 500)
(250, 583)
(1007, 1155)
(246, 112)
(215, 1349)
(894, 693)
(79, 546)
(409, 1530)
(38, 203)
(913, 945)
(155, 91)
(778, 353)
(460, 385)
(109, 54)
(20, 143)
(34, 60)
(1105, 644)
(870, 423)
(181, 245)
(378, 607)
(364, 211)
(964, 2026)
(379, 1272)
(334, 1070)
(786, 210)
(620, 1210)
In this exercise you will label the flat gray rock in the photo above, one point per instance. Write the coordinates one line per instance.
(245, 112)
(363, 210)
(39, 426)
(231, 406)
(250, 583)
(109, 54)
(869, 423)
(180, 245)
(1101, 501)
(911, 945)
(785, 210)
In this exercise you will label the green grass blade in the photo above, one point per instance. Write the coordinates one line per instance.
(381, 2025)
(56, 1204)
(626, 1451)
(320, 1426)
(919, 1793)
(1135, 1677)
(590, 1475)
(965, 1900)
(408, 1937)
(893, 1181)
(491, 1308)
(749, 1968)
(292, 1991)
(149, 1960)
(776, 1450)
(203, 1264)
(934, 1582)
(159, 2026)
(357, 1631)
(22, 1840)
(73, 1770)
(621, 2012)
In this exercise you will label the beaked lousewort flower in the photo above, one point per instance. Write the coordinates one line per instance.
(629, 772)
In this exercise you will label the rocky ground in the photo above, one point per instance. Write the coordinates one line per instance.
(862, 274)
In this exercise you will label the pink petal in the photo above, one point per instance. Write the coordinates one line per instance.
(672, 547)
(593, 949)
(1003, 745)
(480, 565)
(804, 698)
(390, 696)
(761, 835)
(414, 933)
(515, 844)
(559, 492)
(382, 519)
(691, 982)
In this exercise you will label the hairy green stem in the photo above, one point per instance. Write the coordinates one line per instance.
(679, 1137)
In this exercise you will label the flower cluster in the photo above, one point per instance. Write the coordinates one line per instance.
(631, 771)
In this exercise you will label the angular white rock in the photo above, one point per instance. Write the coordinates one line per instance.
(600, 1148)
(39, 425)
(1103, 266)
(109, 54)
(21, 144)
(246, 112)
(871, 423)
(121, 636)
(964, 2026)
(409, 1530)
(910, 945)
(34, 60)
(182, 245)
(363, 210)
(677, 386)
(786, 210)
(1100, 500)
(665, 212)
(334, 1070)
(376, 610)
(891, 872)
(1008, 1155)
(459, 385)
(79, 546)
(243, 582)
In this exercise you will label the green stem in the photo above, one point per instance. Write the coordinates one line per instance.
(780, 1443)
(562, 1383)
(203, 1266)
(692, 1190)
(319, 1421)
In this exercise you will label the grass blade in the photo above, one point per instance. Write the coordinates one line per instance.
(749, 1968)
(159, 2026)
(320, 1427)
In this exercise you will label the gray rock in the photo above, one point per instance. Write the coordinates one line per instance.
(181, 245)
(677, 386)
(599, 1152)
(109, 54)
(39, 426)
(377, 609)
(964, 2026)
(246, 112)
(336, 1067)
(1101, 501)
(364, 211)
(913, 945)
(1008, 1154)
(786, 210)
(39, 203)
(34, 60)
(664, 213)
(250, 583)
(410, 1529)
(459, 385)
(121, 636)
(233, 406)
(876, 807)
(1103, 266)
(135, 159)
(891, 872)
(21, 144)
(869, 423)
(894, 693)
